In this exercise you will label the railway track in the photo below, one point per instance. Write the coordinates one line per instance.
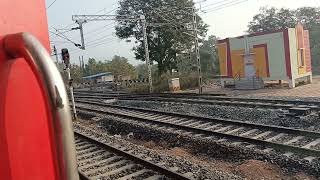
(221, 97)
(114, 94)
(225, 101)
(305, 144)
(102, 160)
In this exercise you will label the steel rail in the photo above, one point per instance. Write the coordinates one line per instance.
(277, 146)
(147, 94)
(217, 120)
(207, 102)
(216, 97)
(82, 176)
(147, 164)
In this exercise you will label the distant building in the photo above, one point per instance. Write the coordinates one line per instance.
(124, 78)
(100, 77)
(282, 55)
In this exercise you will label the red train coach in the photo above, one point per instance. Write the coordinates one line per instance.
(36, 137)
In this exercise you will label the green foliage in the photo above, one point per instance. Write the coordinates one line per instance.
(142, 71)
(76, 73)
(208, 56)
(160, 84)
(164, 42)
(119, 66)
(270, 19)
(139, 88)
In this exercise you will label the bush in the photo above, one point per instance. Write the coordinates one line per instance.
(139, 88)
(160, 84)
(188, 81)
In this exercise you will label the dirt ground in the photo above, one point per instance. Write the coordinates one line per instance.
(251, 169)
(308, 90)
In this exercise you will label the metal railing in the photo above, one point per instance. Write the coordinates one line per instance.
(25, 45)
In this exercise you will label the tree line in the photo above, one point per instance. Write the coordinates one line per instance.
(118, 66)
(271, 19)
(171, 46)
(168, 43)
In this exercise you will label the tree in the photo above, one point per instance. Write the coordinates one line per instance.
(142, 71)
(90, 67)
(76, 73)
(119, 66)
(271, 19)
(208, 56)
(165, 42)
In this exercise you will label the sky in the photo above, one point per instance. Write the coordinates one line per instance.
(226, 18)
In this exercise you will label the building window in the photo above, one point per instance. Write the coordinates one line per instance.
(301, 53)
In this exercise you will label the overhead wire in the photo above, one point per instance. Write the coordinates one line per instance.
(99, 39)
(90, 32)
(92, 45)
(63, 37)
(51, 4)
(232, 3)
(215, 3)
(99, 29)
(170, 21)
(105, 27)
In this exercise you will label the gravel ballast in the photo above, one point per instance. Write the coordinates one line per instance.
(184, 166)
(199, 145)
(253, 115)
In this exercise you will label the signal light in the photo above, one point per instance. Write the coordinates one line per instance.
(65, 56)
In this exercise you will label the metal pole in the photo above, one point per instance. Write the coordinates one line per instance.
(71, 92)
(82, 68)
(146, 48)
(197, 50)
(81, 34)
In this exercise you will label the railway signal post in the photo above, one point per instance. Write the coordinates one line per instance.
(66, 60)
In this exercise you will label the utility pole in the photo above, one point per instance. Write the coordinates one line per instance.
(197, 50)
(81, 34)
(80, 19)
(80, 65)
(82, 68)
(146, 48)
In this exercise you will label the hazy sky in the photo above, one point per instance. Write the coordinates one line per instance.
(102, 42)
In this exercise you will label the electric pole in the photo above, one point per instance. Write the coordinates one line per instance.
(146, 48)
(80, 19)
(80, 65)
(197, 50)
(81, 33)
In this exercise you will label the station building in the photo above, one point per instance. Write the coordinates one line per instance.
(249, 61)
